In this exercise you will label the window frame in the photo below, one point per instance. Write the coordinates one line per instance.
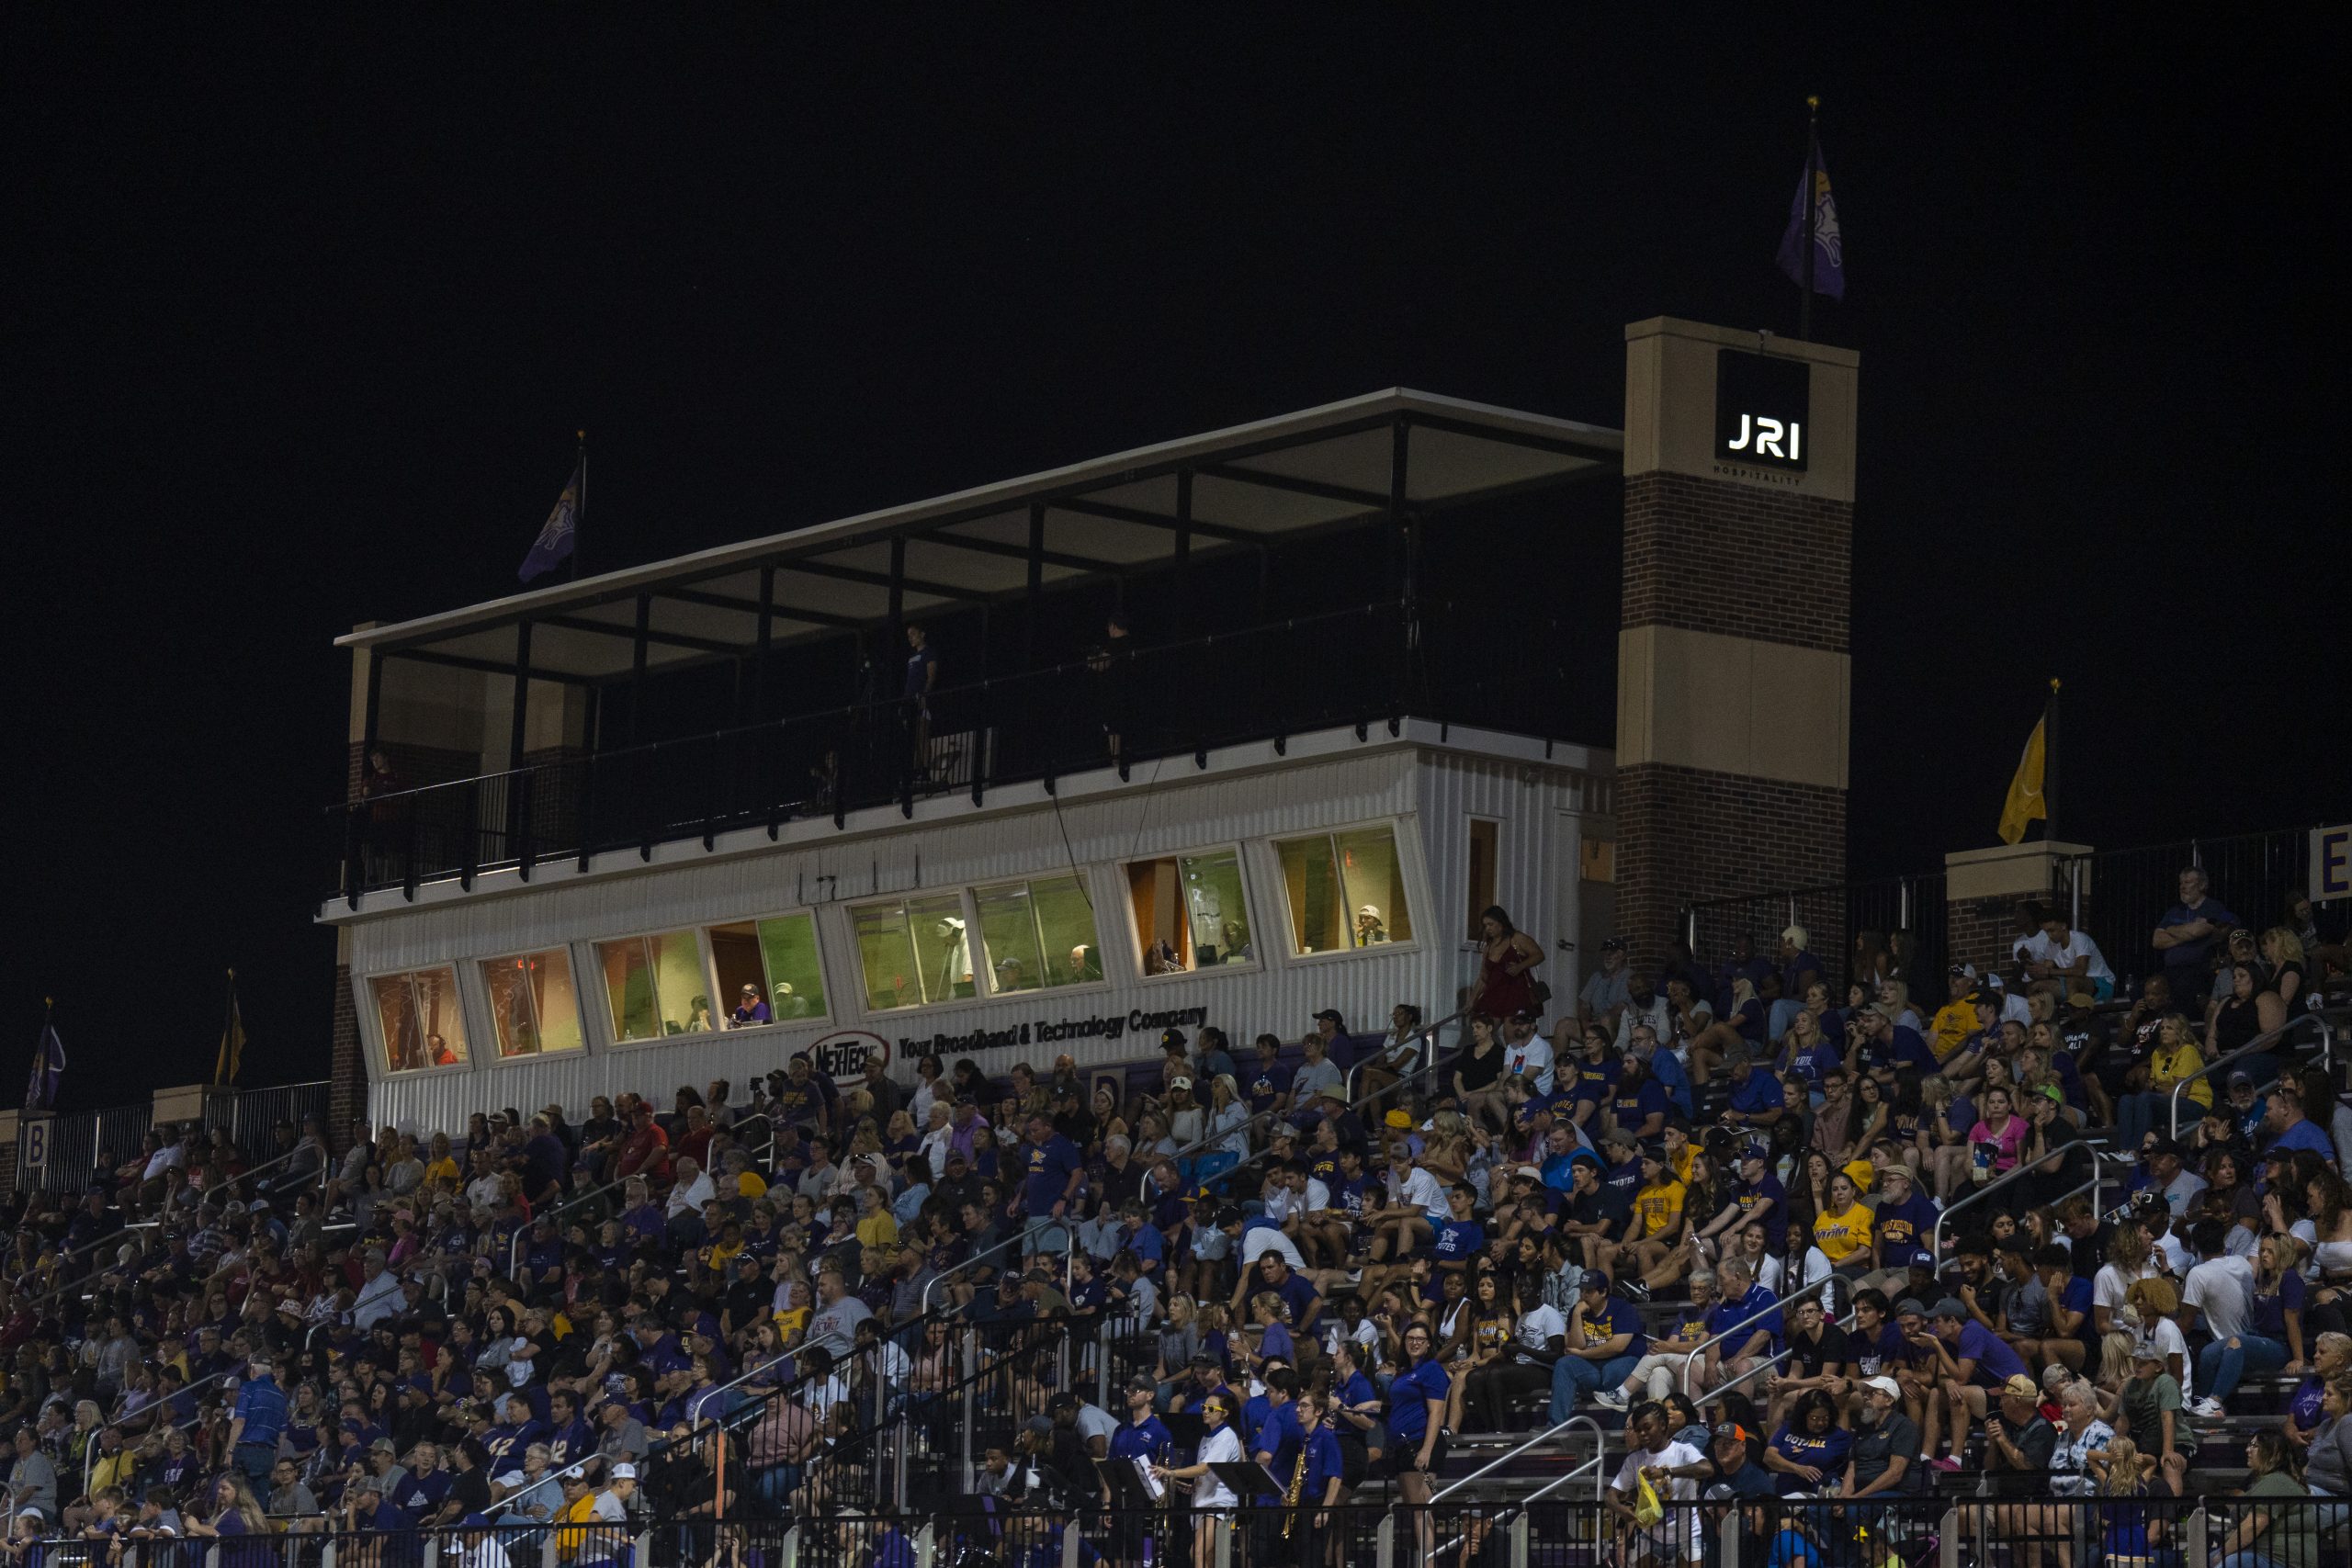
(824, 971)
(490, 1012)
(612, 1025)
(866, 1009)
(1241, 852)
(372, 1020)
(1408, 867)
(1083, 877)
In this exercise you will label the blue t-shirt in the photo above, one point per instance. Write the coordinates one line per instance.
(1616, 1316)
(1758, 1091)
(1776, 1218)
(1904, 1229)
(1995, 1363)
(2192, 954)
(1646, 1100)
(1886, 1349)
(1727, 1313)
(1050, 1164)
(1811, 1065)
(1826, 1452)
(1618, 1185)
(1409, 1413)
(2267, 1315)
(1458, 1241)
(2306, 1135)
(1911, 1049)
(1674, 1078)
(1149, 1439)
(1266, 1085)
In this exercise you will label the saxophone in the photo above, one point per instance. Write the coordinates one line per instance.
(1290, 1498)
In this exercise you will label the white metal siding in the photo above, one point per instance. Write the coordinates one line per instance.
(1428, 793)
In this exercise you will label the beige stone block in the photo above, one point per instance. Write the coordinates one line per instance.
(1670, 406)
(1733, 704)
(2023, 871)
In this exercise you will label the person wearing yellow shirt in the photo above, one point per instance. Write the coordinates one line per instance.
(1680, 1152)
(1842, 1235)
(1956, 1020)
(2174, 1058)
(876, 1227)
(1653, 1231)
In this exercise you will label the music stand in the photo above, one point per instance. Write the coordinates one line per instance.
(1128, 1492)
(1249, 1479)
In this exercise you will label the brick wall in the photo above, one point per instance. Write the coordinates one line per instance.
(1684, 833)
(1712, 556)
(346, 1069)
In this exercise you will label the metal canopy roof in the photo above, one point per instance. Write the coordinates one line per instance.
(1251, 485)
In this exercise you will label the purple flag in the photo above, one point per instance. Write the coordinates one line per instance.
(1828, 250)
(48, 1069)
(561, 533)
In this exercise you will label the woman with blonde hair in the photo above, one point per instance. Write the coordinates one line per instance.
(2175, 1057)
(2156, 1300)
(2282, 989)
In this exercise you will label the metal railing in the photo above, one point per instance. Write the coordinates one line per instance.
(2260, 1045)
(2024, 1168)
(1691, 1357)
(1034, 725)
(578, 1199)
(1600, 1445)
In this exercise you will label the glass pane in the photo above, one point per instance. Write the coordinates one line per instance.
(943, 948)
(680, 985)
(735, 957)
(628, 988)
(1374, 888)
(532, 1004)
(443, 1019)
(403, 1031)
(1008, 935)
(886, 958)
(556, 1000)
(1161, 936)
(796, 977)
(1066, 922)
(1215, 912)
(1311, 888)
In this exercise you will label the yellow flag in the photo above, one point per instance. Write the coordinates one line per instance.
(232, 1040)
(2025, 802)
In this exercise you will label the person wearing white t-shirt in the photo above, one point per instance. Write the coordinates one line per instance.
(1676, 1539)
(2221, 1287)
(2059, 951)
(1526, 1368)
(1526, 1053)
(1213, 1500)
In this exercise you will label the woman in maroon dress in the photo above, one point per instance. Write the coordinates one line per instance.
(1503, 987)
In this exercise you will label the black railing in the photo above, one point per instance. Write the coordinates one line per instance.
(1163, 704)
(1905, 913)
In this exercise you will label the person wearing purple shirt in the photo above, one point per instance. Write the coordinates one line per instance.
(1984, 1362)
(1054, 1168)
(750, 1009)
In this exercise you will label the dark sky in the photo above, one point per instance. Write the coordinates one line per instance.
(298, 321)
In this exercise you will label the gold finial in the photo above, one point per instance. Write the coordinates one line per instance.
(2054, 684)
(1813, 101)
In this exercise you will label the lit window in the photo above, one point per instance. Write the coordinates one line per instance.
(913, 950)
(533, 1007)
(1037, 935)
(422, 1024)
(777, 960)
(1345, 890)
(655, 986)
(1189, 912)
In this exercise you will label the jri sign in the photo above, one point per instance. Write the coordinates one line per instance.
(1763, 407)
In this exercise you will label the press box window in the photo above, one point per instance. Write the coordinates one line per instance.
(1189, 912)
(779, 957)
(534, 1007)
(655, 986)
(1037, 935)
(1344, 890)
(913, 951)
(422, 1024)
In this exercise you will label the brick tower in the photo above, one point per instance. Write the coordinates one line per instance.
(1733, 658)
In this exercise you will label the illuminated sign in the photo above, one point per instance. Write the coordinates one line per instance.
(842, 1056)
(1763, 410)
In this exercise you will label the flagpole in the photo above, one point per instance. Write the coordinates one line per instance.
(1812, 207)
(579, 507)
(2049, 767)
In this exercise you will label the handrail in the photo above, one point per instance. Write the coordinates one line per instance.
(2261, 1043)
(944, 1274)
(1767, 1363)
(1600, 1480)
(515, 1247)
(1599, 1440)
(326, 1163)
(2023, 1166)
(1691, 1357)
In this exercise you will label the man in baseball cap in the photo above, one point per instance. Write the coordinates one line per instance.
(1886, 1441)
(2019, 1440)
(1984, 1364)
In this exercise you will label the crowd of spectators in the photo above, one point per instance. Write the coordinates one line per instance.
(1339, 1250)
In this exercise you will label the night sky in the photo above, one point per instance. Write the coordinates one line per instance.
(300, 320)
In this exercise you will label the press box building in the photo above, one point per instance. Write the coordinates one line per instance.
(1344, 724)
